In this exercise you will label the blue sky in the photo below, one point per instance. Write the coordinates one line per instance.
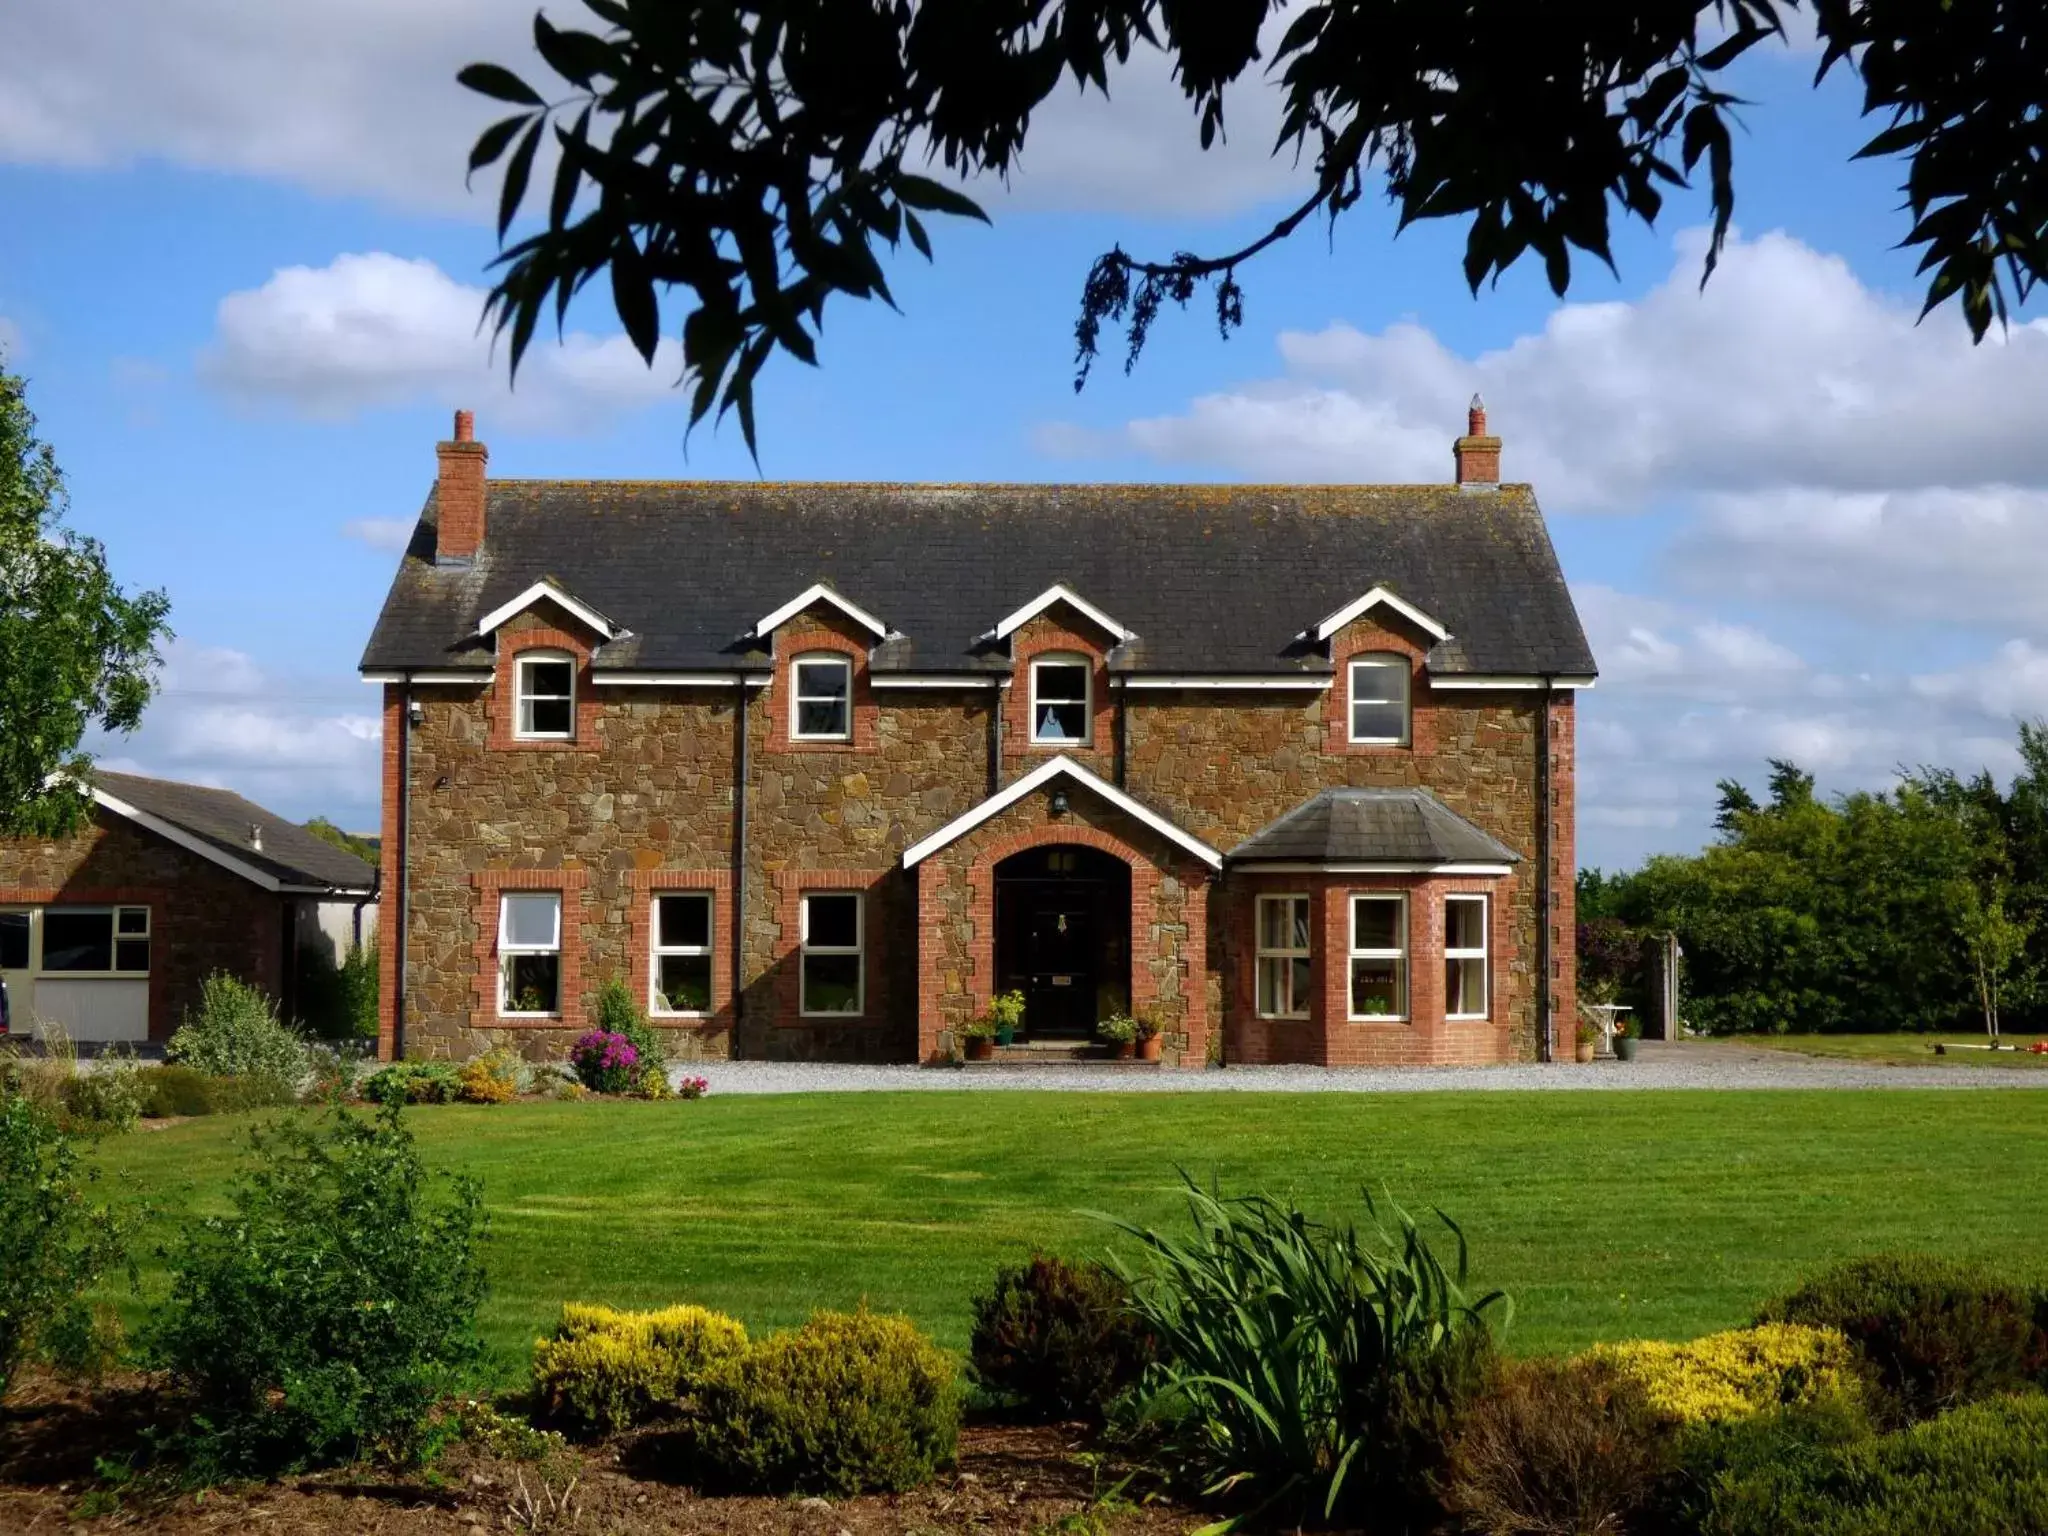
(240, 269)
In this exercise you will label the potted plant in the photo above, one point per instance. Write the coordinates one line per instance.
(979, 1034)
(1150, 1040)
(1589, 1039)
(1627, 1034)
(1120, 1033)
(1006, 1010)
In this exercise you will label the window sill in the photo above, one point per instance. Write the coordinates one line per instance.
(1468, 1018)
(531, 1018)
(1377, 1018)
(1284, 1018)
(659, 1017)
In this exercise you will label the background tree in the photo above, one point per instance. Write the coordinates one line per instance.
(364, 848)
(74, 650)
(758, 153)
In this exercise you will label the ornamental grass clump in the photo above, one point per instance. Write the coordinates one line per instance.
(1308, 1372)
(849, 1403)
(605, 1062)
(604, 1370)
(1737, 1373)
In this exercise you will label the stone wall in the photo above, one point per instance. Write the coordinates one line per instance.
(645, 800)
(202, 917)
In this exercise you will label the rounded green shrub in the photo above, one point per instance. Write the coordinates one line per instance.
(1739, 1372)
(604, 1370)
(322, 1321)
(1058, 1340)
(851, 1402)
(235, 1032)
(1935, 1333)
(1980, 1470)
(175, 1092)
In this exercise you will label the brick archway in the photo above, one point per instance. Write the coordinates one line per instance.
(977, 984)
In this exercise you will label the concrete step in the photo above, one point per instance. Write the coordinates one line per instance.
(1058, 1053)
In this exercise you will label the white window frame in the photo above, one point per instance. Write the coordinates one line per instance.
(1385, 662)
(858, 949)
(38, 917)
(1086, 701)
(797, 664)
(1299, 1006)
(657, 1000)
(506, 949)
(1454, 956)
(1398, 954)
(523, 694)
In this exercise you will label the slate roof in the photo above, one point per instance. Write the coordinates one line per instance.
(1213, 578)
(221, 818)
(1369, 826)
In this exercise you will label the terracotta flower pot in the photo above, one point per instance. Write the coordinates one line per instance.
(1586, 1049)
(1124, 1050)
(1150, 1047)
(981, 1048)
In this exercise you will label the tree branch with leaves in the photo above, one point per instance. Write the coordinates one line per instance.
(759, 155)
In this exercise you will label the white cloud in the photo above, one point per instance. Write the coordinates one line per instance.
(1686, 698)
(1786, 370)
(359, 96)
(2011, 684)
(390, 534)
(352, 96)
(1977, 555)
(376, 330)
(298, 745)
(1644, 644)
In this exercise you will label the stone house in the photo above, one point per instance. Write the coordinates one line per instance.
(110, 932)
(818, 769)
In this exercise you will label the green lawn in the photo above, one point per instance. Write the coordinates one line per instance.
(1903, 1050)
(1606, 1214)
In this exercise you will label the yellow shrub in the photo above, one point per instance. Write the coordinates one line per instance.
(1732, 1375)
(492, 1078)
(605, 1370)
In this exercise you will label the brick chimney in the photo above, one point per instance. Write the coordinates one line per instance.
(1477, 455)
(461, 491)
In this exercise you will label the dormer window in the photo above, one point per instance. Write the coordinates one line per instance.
(1060, 712)
(546, 685)
(821, 700)
(1379, 700)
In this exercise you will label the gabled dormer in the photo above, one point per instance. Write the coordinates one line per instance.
(1058, 701)
(544, 638)
(821, 699)
(1377, 644)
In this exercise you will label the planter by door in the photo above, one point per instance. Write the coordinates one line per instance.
(1625, 1047)
(1586, 1049)
(1150, 1047)
(981, 1049)
(1124, 1050)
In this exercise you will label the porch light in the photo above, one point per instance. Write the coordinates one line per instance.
(1058, 804)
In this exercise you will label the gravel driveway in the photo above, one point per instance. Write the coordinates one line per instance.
(1694, 1064)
